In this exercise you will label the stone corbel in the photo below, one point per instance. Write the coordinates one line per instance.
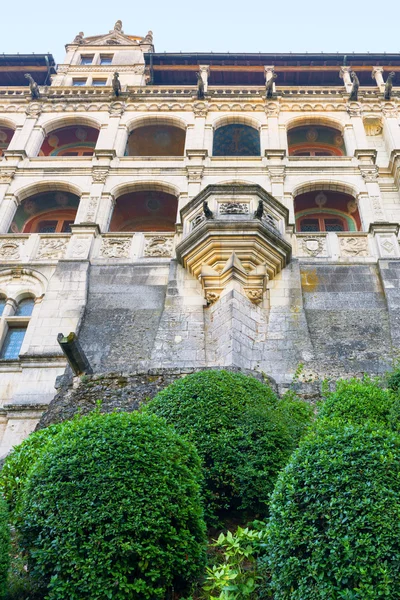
(367, 157)
(377, 74)
(345, 75)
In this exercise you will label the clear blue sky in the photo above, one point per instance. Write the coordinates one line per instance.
(218, 25)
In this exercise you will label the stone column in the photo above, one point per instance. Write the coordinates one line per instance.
(195, 133)
(276, 171)
(273, 132)
(8, 207)
(194, 170)
(208, 138)
(391, 128)
(358, 127)
(377, 74)
(204, 72)
(108, 131)
(105, 208)
(349, 139)
(370, 174)
(27, 139)
(121, 140)
(345, 75)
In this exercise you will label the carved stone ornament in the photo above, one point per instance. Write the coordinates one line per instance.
(353, 246)
(195, 174)
(370, 174)
(52, 248)
(80, 247)
(158, 246)
(254, 296)
(387, 245)
(313, 246)
(373, 126)
(34, 109)
(354, 109)
(115, 247)
(390, 111)
(6, 176)
(234, 208)
(9, 249)
(116, 109)
(377, 208)
(92, 209)
(200, 109)
(212, 297)
(198, 219)
(99, 175)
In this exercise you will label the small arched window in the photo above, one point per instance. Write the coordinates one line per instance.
(14, 327)
(74, 140)
(315, 140)
(156, 140)
(236, 139)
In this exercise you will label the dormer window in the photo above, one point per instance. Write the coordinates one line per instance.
(87, 59)
(106, 59)
(79, 82)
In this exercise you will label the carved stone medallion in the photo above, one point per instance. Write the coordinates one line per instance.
(353, 246)
(9, 249)
(115, 247)
(158, 246)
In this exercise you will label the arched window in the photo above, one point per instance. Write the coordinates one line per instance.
(6, 134)
(49, 212)
(14, 328)
(74, 140)
(326, 211)
(236, 139)
(315, 140)
(145, 211)
(156, 140)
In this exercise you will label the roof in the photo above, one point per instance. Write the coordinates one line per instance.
(248, 69)
(14, 66)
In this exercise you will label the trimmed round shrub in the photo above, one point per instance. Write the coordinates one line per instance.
(20, 461)
(240, 433)
(334, 529)
(4, 547)
(357, 401)
(112, 510)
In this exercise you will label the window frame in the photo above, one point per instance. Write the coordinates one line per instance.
(86, 56)
(79, 82)
(321, 218)
(14, 321)
(106, 57)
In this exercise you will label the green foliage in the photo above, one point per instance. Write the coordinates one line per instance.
(242, 434)
(19, 462)
(393, 380)
(112, 510)
(234, 575)
(4, 547)
(357, 401)
(334, 529)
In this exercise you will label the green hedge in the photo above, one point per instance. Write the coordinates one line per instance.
(19, 462)
(357, 401)
(4, 547)
(334, 529)
(112, 510)
(243, 433)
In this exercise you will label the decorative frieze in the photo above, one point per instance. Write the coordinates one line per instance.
(115, 247)
(233, 208)
(158, 246)
(353, 246)
(52, 248)
(10, 249)
(312, 246)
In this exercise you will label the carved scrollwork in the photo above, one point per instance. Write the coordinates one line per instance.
(234, 208)
(9, 250)
(370, 174)
(353, 246)
(6, 175)
(115, 247)
(158, 246)
(51, 248)
(116, 108)
(92, 209)
(254, 295)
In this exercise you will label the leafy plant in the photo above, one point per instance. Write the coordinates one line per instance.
(235, 577)
(243, 434)
(357, 401)
(112, 509)
(19, 462)
(334, 529)
(4, 547)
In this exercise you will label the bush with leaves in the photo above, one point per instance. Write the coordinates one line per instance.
(234, 575)
(357, 401)
(334, 529)
(243, 433)
(20, 461)
(112, 510)
(4, 547)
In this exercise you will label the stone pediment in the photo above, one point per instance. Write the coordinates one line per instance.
(234, 233)
(114, 38)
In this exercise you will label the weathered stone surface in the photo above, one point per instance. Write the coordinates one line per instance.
(116, 391)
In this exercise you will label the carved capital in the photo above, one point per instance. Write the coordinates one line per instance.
(99, 175)
(370, 173)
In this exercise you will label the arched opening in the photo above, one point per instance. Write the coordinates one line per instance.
(326, 211)
(47, 212)
(6, 134)
(156, 140)
(74, 140)
(145, 210)
(315, 140)
(236, 139)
